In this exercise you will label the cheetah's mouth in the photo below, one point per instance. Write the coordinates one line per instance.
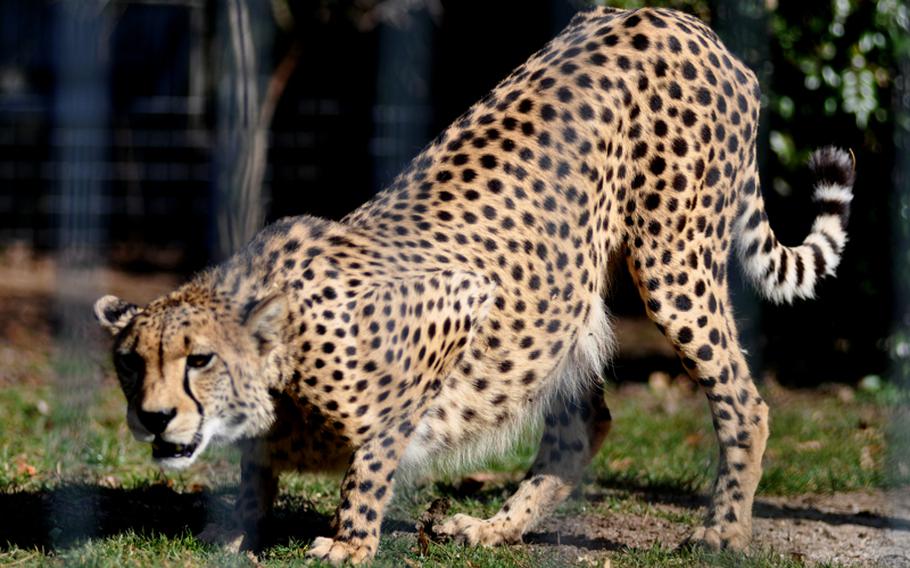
(162, 449)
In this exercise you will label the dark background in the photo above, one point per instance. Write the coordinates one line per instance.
(118, 133)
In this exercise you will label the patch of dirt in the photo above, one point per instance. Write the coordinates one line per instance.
(865, 528)
(856, 529)
(22, 275)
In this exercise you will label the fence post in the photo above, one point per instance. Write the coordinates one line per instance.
(240, 149)
(743, 26)
(402, 113)
(80, 138)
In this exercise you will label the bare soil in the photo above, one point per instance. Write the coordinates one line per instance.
(868, 528)
(856, 529)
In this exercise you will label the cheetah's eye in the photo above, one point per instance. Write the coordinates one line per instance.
(200, 361)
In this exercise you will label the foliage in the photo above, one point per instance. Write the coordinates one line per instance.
(844, 57)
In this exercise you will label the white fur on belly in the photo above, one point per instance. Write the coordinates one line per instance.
(570, 379)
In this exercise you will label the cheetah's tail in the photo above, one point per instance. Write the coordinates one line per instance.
(783, 273)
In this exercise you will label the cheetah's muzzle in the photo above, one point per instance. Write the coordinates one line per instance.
(162, 449)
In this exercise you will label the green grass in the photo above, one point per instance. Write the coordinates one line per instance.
(130, 549)
(83, 492)
(817, 445)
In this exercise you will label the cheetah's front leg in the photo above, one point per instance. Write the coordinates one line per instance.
(434, 344)
(258, 488)
(365, 490)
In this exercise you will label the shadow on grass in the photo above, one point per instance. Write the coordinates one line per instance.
(809, 513)
(682, 494)
(58, 518)
(577, 540)
(686, 489)
(686, 497)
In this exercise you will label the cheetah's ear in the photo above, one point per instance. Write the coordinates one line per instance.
(115, 314)
(265, 319)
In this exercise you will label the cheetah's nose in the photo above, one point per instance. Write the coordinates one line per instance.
(156, 422)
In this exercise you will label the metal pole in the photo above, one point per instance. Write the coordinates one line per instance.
(898, 441)
(80, 204)
(402, 113)
(743, 26)
(240, 148)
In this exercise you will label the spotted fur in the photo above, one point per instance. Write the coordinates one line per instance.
(467, 300)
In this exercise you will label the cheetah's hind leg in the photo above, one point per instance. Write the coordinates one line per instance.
(703, 332)
(575, 427)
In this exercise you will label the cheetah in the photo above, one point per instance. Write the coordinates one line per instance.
(467, 300)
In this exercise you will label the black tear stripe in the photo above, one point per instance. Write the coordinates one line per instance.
(161, 348)
(197, 436)
(189, 393)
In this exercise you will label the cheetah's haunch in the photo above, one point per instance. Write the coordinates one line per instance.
(467, 299)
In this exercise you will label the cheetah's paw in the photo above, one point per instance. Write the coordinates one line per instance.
(718, 538)
(466, 529)
(338, 552)
(229, 538)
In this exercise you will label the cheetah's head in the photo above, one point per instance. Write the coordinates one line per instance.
(194, 368)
